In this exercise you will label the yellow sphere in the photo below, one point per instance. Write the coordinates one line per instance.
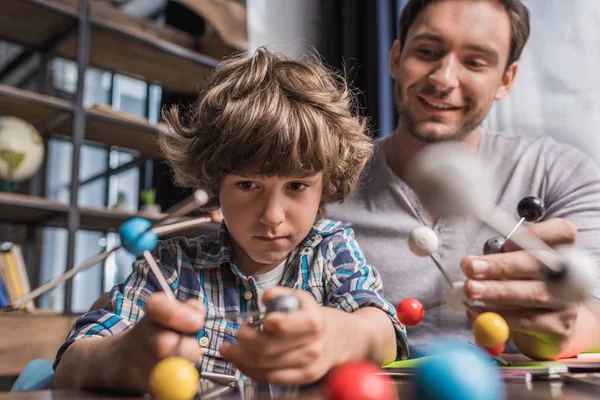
(490, 330)
(174, 378)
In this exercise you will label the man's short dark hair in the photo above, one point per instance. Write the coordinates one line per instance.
(516, 10)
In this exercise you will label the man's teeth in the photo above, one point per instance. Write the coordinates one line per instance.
(438, 105)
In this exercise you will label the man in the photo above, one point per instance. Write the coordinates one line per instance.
(453, 59)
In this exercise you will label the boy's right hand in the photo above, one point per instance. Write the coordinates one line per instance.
(160, 333)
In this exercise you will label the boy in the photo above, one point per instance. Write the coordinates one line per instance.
(272, 141)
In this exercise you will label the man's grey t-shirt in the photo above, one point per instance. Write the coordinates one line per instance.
(384, 210)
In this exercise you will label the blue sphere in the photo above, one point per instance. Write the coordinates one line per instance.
(135, 237)
(457, 371)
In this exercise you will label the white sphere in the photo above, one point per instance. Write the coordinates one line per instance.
(21, 149)
(423, 241)
(201, 197)
(456, 297)
(577, 279)
(451, 180)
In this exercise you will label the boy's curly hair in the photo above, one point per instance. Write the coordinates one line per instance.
(276, 116)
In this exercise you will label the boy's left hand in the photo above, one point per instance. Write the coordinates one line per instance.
(293, 348)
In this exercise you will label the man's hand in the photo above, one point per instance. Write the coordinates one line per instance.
(542, 327)
(159, 334)
(296, 347)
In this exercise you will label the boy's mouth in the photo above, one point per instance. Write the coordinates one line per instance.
(271, 239)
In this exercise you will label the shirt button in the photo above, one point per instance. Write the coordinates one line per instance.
(203, 341)
(248, 295)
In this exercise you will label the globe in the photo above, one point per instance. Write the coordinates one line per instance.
(21, 149)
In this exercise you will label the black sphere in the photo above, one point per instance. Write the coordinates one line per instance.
(493, 245)
(531, 208)
(284, 303)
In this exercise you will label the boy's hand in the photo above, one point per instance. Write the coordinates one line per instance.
(160, 334)
(293, 348)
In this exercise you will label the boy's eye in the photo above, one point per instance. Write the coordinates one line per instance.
(246, 185)
(297, 186)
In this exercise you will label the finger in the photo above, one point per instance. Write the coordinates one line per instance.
(299, 357)
(178, 316)
(514, 265)
(306, 300)
(189, 349)
(289, 376)
(261, 344)
(554, 232)
(557, 322)
(309, 373)
(216, 215)
(159, 342)
(306, 321)
(533, 294)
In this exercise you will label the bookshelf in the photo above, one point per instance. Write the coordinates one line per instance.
(93, 33)
(26, 209)
(117, 42)
(105, 126)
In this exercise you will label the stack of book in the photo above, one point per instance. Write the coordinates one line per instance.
(14, 282)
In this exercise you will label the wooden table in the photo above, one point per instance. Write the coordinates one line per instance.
(514, 390)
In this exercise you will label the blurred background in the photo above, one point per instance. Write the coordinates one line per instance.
(90, 77)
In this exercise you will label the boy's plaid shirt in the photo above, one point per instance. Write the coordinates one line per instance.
(327, 263)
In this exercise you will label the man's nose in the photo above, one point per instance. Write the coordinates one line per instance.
(445, 75)
(272, 213)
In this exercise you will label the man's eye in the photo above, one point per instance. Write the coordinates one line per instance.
(297, 186)
(475, 64)
(246, 185)
(427, 53)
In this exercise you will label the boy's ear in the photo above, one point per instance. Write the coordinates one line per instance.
(507, 81)
(394, 58)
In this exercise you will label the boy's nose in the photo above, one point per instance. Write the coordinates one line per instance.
(273, 213)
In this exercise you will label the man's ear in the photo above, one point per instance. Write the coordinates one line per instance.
(507, 81)
(394, 58)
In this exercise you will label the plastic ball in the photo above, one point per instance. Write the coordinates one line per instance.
(359, 381)
(135, 236)
(455, 372)
(451, 180)
(531, 208)
(456, 297)
(201, 197)
(490, 330)
(576, 279)
(284, 303)
(493, 245)
(423, 241)
(174, 378)
(410, 312)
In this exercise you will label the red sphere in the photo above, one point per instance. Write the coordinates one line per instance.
(358, 381)
(410, 312)
(494, 351)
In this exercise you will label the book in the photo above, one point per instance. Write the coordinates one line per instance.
(14, 274)
(4, 299)
(17, 256)
(10, 282)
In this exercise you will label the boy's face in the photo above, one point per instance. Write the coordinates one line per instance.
(267, 217)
